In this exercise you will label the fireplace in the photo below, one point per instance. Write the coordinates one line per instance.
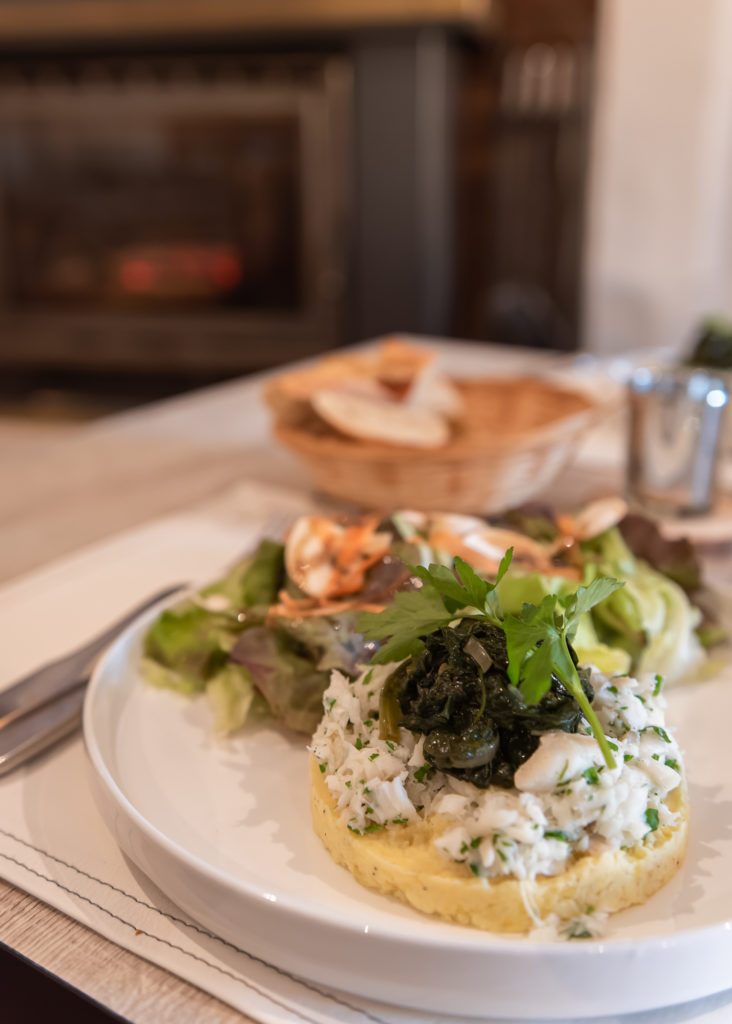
(172, 211)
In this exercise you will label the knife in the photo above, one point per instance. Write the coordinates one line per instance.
(39, 729)
(46, 705)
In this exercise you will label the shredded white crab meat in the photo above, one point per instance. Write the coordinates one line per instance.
(565, 798)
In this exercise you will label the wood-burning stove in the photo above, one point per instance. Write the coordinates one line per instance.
(172, 212)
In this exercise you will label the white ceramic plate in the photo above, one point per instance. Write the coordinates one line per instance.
(223, 828)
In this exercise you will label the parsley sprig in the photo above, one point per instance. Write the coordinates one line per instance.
(537, 640)
(441, 599)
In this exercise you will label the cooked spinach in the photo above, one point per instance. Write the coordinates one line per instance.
(476, 724)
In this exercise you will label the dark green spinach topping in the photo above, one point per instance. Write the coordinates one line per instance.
(537, 659)
(476, 724)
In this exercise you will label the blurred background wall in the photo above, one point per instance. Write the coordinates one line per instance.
(659, 245)
(193, 191)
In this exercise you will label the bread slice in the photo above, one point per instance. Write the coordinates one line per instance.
(372, 419)
(402, 861)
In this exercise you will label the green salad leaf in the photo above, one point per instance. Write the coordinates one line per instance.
(188, 645)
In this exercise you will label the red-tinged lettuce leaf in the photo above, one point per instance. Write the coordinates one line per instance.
(290, 663)
(536, 521)
(290, 683)
(676, 558)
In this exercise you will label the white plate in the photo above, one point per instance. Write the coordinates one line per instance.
(223, 828)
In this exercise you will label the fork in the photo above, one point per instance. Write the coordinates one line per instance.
(44, 706)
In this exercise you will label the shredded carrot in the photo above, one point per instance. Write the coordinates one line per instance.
(567, 525)
(284, 611)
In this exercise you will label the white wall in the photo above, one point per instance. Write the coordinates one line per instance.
(659, 252)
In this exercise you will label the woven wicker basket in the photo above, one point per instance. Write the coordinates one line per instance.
(519, 434)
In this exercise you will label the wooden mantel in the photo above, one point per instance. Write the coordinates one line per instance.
(58, 20)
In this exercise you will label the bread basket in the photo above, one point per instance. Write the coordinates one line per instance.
(517, 435)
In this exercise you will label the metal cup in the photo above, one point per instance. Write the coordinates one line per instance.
(676, 419)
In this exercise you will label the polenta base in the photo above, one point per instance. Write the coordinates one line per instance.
(403, 862)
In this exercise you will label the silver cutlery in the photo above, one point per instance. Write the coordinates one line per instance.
(44, 706)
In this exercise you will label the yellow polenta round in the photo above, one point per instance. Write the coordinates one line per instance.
(403, 861)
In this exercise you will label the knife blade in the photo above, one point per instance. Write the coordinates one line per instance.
(65, 674)
(39, 729)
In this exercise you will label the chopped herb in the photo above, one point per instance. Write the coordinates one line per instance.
(613, 689)
(475, 869)
(331, 702)
(369, 810)
(498, 850)
(556, 834)
(390, 745)
(656, 757)
(641, 699)
(652, 818)
(673, 763)
(372, 757)
(368, 722)
(464, 847)
(657, 687)
(399, 821)
(373, 827)
(352, 829)
(563, 771)
(323, 767)
(348, 783)
(371, 693)
(613, 746)
(475, 843)
(591, 776)
(659, 732)
(627, 757)
(367, 677)
(422, 773)
(359, 742)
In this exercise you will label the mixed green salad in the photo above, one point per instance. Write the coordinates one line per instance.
(267, 634)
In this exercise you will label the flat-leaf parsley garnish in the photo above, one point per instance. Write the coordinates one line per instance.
(538, 643)
(442, 598)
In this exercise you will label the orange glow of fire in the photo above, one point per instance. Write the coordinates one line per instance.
(158, 266)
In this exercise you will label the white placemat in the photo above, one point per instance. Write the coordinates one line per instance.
(53, 842)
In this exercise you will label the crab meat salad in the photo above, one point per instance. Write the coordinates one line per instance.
(477, 772)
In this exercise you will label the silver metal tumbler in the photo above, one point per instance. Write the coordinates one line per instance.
(676, 420)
